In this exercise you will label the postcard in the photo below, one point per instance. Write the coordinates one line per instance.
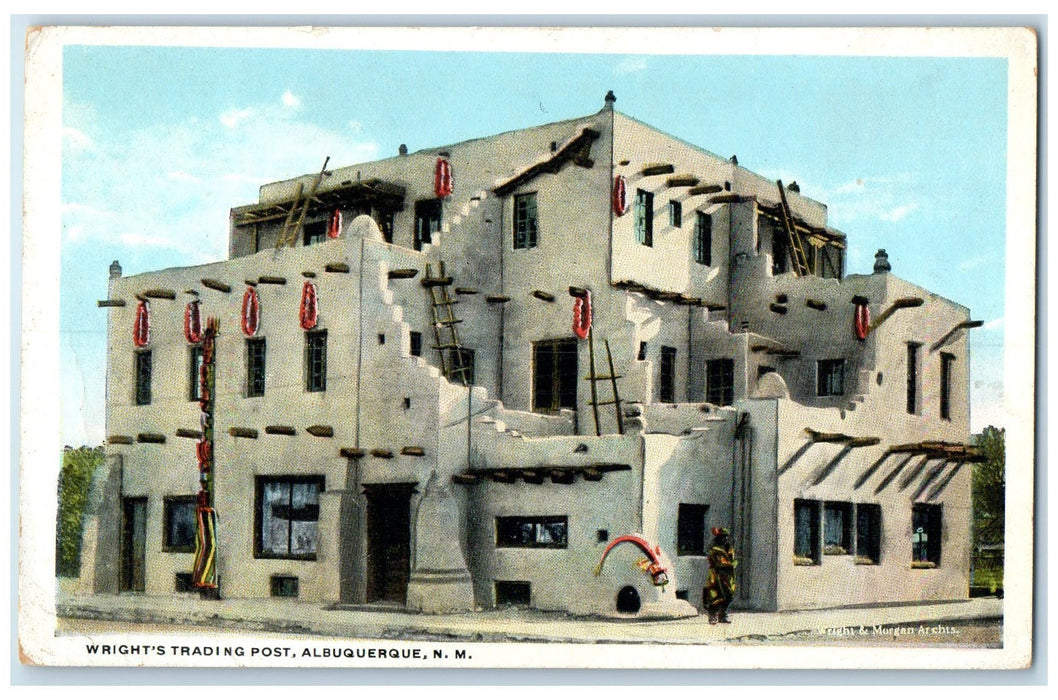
(528, 347)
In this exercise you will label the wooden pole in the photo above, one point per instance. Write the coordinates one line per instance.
(594, 393)
(616, 396)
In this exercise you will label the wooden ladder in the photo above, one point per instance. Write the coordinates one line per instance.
(596, 378)
(288, 235)
(446, 336)
(797, 251)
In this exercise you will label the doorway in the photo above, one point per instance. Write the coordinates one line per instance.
(133, 544)
(388, 541)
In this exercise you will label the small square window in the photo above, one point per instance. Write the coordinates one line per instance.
(830, 378)
(183, 583)
(602, 535)
(284, 586)
(316, 232)
(287, 515)
(513, 593)
(179, 513)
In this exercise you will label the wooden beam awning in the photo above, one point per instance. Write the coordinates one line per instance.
(577, 150)
(817, 235)
(965, 325)
(936, 449)
(558, 474)
(661, 295)
(374, 191)
(847, 440)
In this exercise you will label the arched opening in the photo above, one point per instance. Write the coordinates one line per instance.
(628, 600)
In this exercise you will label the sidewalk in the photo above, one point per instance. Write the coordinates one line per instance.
(304, 618)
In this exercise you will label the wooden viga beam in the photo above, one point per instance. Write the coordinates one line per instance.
(902, 303)
(847, 440)
(965, 325)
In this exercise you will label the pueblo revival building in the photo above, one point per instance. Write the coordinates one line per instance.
(452, 379)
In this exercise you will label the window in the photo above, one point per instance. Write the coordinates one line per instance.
(913, 351)
(381, 338)
(525, 220)
(837, 528)
(461, 365)
(427, 221)
(546, 531)
(644, 217)
(675, 213)
(385, 224)
(179, 514)
(690, 529)
(947, 365)
(703, 238)
(195, 373)
(183, 583)
(925, 535)
(602, 536)
(555, 375)
(642, 351)
(143, 377)
(868, 533)
(667, 375)
(780, 256)
(513, 593)
(416, 344)
(316, 361)
(284, 586)
(806, 532)
(287, 511)
(720, 381)
(255, 367)
(316, 232)
(830, 378)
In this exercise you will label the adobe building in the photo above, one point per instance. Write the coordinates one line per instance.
(404, 410)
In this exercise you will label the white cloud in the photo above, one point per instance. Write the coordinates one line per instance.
(291, 100)
(233, 117)
(898, 213)
(632, 64)
(76, 140)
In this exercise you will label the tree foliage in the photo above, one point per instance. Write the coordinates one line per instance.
(78, 466)
(989, 488)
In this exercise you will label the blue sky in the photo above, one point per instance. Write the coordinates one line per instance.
(159, 143)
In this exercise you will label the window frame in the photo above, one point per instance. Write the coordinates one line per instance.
(504, 523)
(259, 489)
(169, 510)
(703, 238)
(813, 555)
(314, 232)
(256, 367)
(825, 377)
(525, 228)
(692, 541)
(725, 366)
(844, 537)
(143, 377)
(643, 217)
(933, 516)
(555, 347)
(870, 552)
(424, 212)
(667, 375)
(316, 379)
(675, 213)
(914, 371)
(196, 358)
(947, 371)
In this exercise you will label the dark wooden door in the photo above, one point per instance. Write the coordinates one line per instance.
(388, 542)
(134, 544)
